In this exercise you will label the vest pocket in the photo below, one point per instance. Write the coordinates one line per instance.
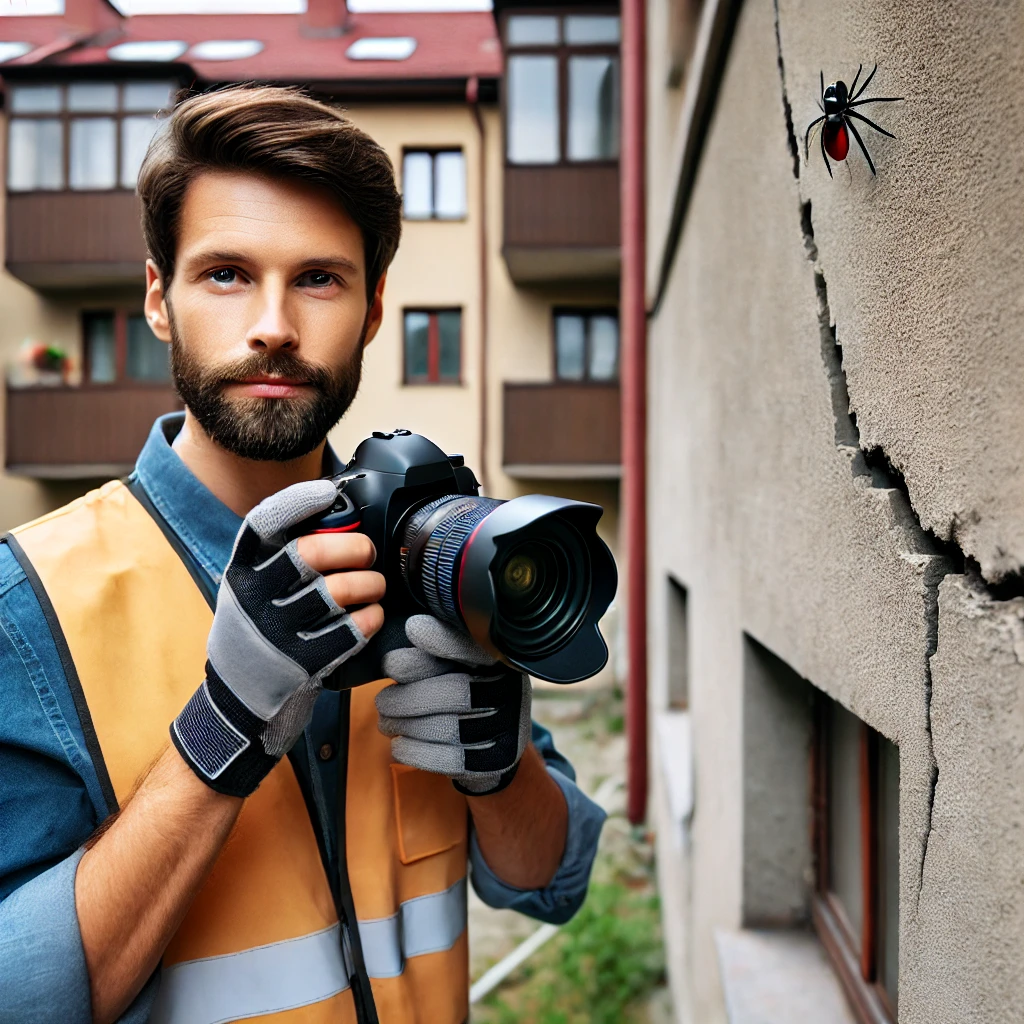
(431, 815)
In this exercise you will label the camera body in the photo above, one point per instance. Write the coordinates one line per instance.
(528, 579)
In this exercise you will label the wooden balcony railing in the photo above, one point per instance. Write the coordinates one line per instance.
(561, 430)
(69, 433)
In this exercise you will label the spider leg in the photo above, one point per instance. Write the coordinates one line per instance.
(820, 107)
(875, 99)
(867, 82)
(821, 75)
(860, 142)
(853, 87)
(824, 155)
(870, 124)
(807, 136)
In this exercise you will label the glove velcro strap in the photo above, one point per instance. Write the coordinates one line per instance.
(219, 739)
(504, 780)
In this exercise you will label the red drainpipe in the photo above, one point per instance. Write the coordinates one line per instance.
(633, 316)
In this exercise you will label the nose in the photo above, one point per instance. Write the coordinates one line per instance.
(273, 329)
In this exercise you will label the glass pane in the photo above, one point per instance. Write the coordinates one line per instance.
(593, 108)
(418, 186)
(450, 185)
(532, 30)
(845, 854)
(99, 347)
(889, 868)
(449, 328)
(569, 346)
(148, 356)
(136, 133)
(533, 110)
(148, 95)
(98, 97)
(604, 348)
(588, 29)
(36, 158)
(417, 329)
(35, 99)
(93, 153)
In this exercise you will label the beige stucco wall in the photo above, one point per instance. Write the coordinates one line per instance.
(761, 502)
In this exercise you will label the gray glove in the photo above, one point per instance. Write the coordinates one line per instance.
(277, 633)
(454, 709)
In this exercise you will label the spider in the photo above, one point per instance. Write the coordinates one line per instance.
(836, 104)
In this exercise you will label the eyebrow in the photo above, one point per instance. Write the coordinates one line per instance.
(224, 256)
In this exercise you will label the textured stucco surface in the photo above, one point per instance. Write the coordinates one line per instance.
(763, 503)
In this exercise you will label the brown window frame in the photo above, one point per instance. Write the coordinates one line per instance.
(66, 116)
(433, 378)
(858, 972)
(433, 152)
(563, 51)
(588, 313)
(121, 378)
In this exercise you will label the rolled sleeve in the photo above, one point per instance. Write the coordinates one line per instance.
(564, 894)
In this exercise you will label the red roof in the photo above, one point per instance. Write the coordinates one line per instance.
(448, 45)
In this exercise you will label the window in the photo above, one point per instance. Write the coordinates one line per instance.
(120, 346)
(562, 88)
(678, 646)
(433, 346)
(856, 907)
(587, 345)
(82, 135)
(434, 184)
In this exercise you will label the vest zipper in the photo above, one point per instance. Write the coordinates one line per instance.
(362, 994)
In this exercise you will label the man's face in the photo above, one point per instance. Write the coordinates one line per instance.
(267, 312)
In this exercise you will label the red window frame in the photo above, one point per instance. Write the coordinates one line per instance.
(433, 347)
(121, 377)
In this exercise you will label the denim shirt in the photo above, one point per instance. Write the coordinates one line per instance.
(51, 799)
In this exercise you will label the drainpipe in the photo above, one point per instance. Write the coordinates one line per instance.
(473, 99)
(633, 316)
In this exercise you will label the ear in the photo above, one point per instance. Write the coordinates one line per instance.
(155, 305)
(375, 314)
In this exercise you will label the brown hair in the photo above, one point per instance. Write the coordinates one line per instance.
(279, 132)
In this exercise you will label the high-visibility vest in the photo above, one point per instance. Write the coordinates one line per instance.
(262, 937)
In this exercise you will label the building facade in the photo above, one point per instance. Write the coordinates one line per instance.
(500, 335)
(836, 521)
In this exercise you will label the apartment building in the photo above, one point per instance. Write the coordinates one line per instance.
(836, 389)
(500, 337)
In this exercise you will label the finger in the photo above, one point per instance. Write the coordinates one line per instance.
(429, 728)
(443, 641)
(359, 586)
(410, 664)
(431, 757)
(449, 694)
(368, 620)
(329, 552)
(272, 516)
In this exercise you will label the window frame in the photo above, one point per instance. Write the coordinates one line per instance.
(433, 348)
(66, 116)
(562, 51)
(858, 971)
(434, 152)
(121, 378)
(588, 313)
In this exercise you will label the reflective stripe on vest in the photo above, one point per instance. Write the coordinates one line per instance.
(136, 626)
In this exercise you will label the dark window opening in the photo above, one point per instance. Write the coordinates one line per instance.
(433, 346)
(678, 646)
(587, 345)
(120, 347)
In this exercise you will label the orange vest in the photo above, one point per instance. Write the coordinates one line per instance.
(262, 939)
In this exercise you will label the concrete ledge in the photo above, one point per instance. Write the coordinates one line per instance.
(778, 977)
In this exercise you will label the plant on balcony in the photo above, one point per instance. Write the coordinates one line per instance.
(41, 364)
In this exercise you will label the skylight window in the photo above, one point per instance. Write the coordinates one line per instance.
(226, 49)
(382, 48)
(156, 50)
(36, 8)
(11, 51)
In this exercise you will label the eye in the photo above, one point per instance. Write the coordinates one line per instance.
(225, 275)
(316, 279)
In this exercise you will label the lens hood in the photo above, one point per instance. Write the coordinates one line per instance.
(550, 545)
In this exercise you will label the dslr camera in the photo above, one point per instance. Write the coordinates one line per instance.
(528, 579)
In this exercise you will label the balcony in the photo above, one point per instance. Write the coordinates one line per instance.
(562, 222)
(562, 431)
(75, 239)
(67, 433)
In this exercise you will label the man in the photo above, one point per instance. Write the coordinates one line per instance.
(193, 829)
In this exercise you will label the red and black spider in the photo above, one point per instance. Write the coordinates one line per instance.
(836, 106)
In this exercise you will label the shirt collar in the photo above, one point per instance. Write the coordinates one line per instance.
(204, 523)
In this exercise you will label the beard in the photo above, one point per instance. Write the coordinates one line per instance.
(265, 429)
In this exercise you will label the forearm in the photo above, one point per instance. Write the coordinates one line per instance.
(136, 883)
(521, 830)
